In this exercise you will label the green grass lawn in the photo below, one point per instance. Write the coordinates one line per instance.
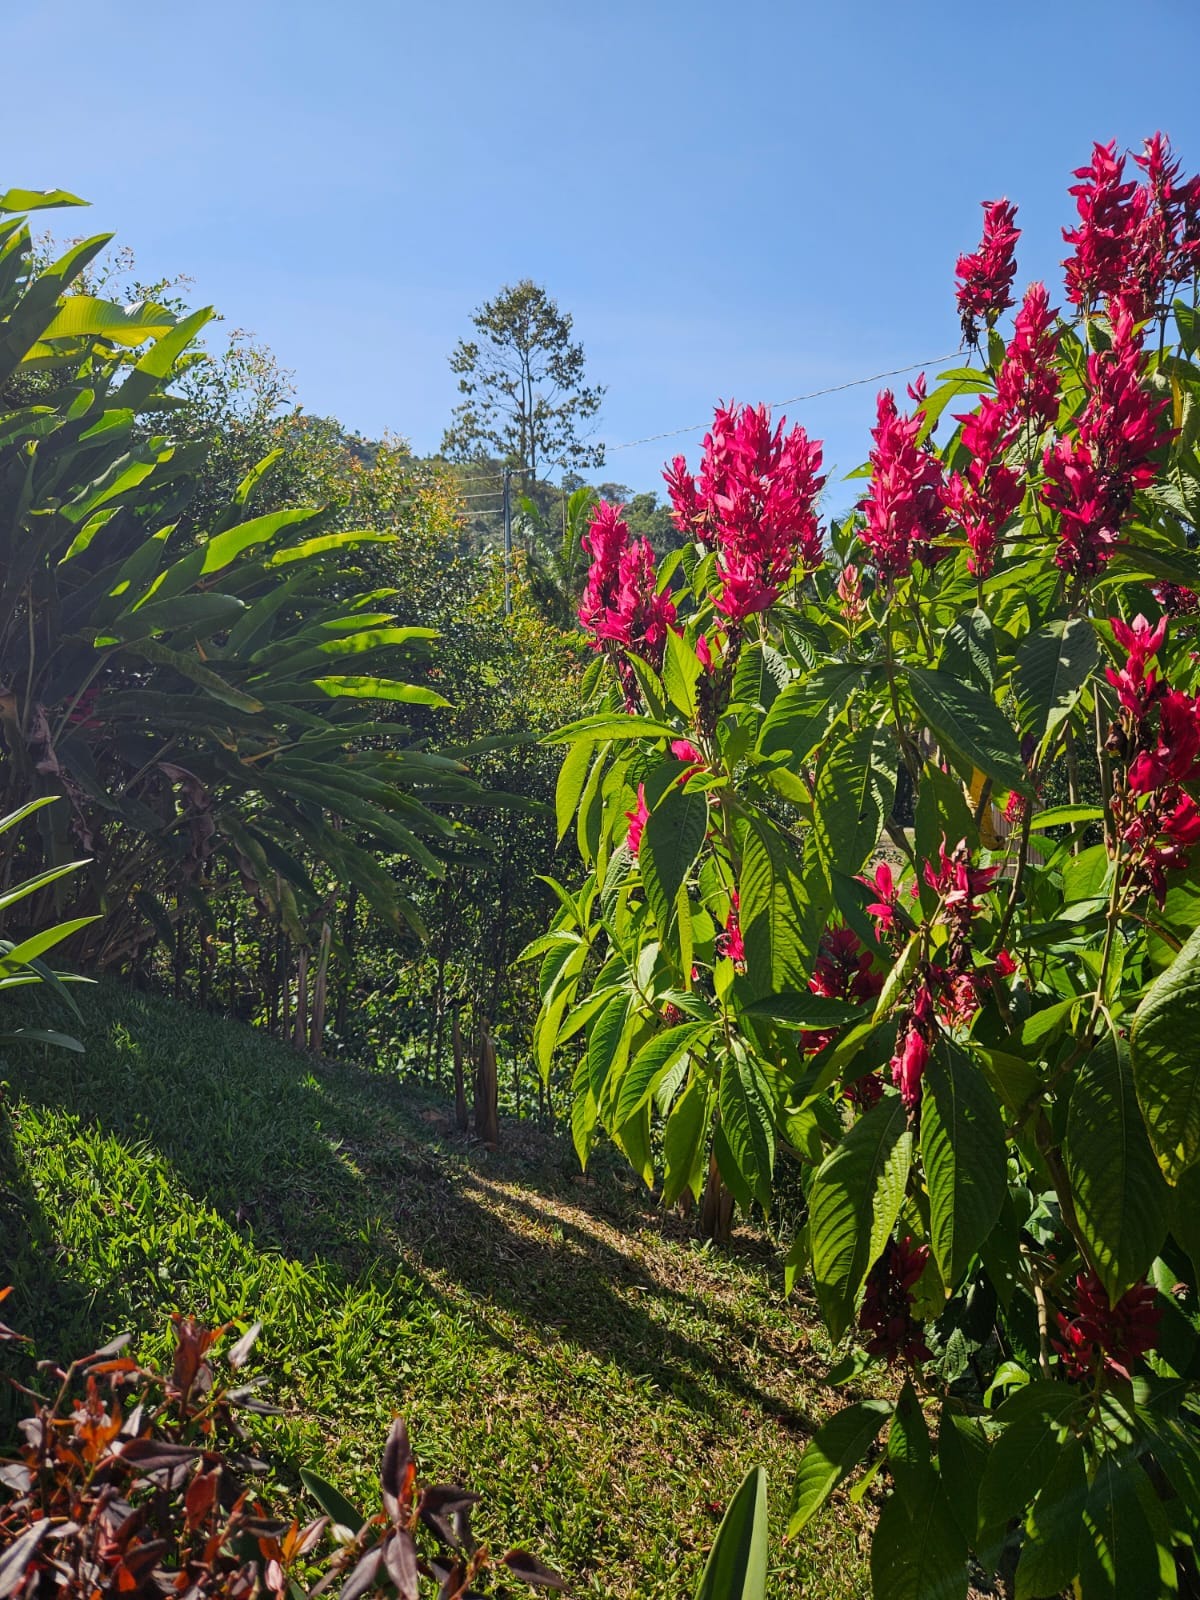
(553, 1342)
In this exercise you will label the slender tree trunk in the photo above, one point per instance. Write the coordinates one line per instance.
(487, 1099)
(317, 1033)
(716, 1206)
(461, 1120)
(300, 1029)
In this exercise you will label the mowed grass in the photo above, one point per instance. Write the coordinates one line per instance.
(553, 1342)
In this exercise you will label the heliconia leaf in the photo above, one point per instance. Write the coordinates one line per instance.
(84, 316)
(856, 785)
(737, 1564)
(1120, 1195)
(837, 1447)
(225, 547)
(968, 723)
(1053, 665)
(362, 687)
(962, 1146)
(37, 199)
(1165, 1050)
(853, 1202)
(207, 613)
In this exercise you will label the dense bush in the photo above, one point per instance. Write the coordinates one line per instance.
(134, 1482)
(974, 1037)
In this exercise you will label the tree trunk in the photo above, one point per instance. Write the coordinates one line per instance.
(487, 1099)
(716, 1206)
(300, 1030)
(461, 1120)
(316, 1035)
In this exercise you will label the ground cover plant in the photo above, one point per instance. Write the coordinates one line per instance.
(973, 1037)
(600, 1377)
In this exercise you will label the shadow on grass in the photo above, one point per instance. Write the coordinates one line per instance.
(325, 1162)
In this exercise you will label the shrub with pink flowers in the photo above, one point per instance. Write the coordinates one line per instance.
(890, 832)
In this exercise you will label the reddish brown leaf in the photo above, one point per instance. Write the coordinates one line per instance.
(527, 1567)
(400, 1557)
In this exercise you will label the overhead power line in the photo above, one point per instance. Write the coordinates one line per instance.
(796, 399)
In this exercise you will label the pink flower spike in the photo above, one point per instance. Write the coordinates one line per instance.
(637, 821)
(985, 276)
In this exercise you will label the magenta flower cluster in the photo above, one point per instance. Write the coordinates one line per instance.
(754, 503)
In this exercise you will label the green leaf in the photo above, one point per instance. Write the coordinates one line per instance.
(37, 199)
(681, 673)
(360, 687)
(969, 650)
(332, 1501)
(651, 1065)
(798, 718)
(84, 316)
(1053, 665)
(962, 1456)
(917, 1552)
(671, 841)
(685, 1144)
(785, 899)
(908, 1445)
(837, 1447)
(608, 1043)
(853, 1202)
(1120, 1196)
(1185, 1214)
(1050, 1552)
(967, 722)
(1024, 1454)
(856, 785)
(1118, 1555)
(572, 776)
(737, 1564)
(1165, 1049)
(224, 548)
(805, 1010)
(962, 1146)
(611, 725)
(1063, 816)
(747, 1112)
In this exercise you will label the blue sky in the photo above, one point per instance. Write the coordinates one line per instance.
(732, 200)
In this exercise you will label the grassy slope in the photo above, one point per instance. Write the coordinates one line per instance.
(602, 1379)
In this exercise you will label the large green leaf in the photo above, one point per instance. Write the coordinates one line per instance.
(737, 1564)
(1022, 1458)
(853, 1202)
(1165, 1050)
(1118, 1554)
(84, 316)
(785, 899)
(800, 715)
(1050, 1551)
(962, 1146)
(837, 1447)
(747, 1110)
(856, 785)
(1120, 1196)
(917, 1552)
(652, 1063)
(1053, 665)
(967, 722)
(671, 842)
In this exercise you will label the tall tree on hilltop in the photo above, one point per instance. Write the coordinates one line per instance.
(522, 382)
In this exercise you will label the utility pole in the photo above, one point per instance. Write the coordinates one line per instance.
(508, 541)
